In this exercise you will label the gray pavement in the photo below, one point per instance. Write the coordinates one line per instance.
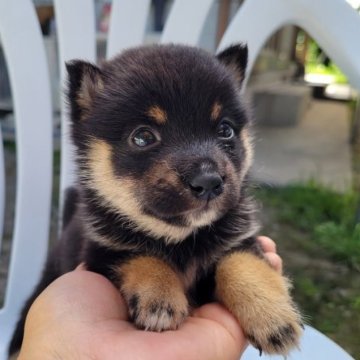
(317, 148)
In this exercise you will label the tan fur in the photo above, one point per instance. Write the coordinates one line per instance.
(216, 110)
(204, 218)
(162, 174)
(158, 114)
(88, 89)
(14, 356)
(189, 275)
(258, 296)
(162, 303)
(122, 194)
(247, 142)
(119, 193)
(108, 242)
(237, 73)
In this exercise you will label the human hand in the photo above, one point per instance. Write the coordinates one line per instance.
(269, 248)
(81, 315)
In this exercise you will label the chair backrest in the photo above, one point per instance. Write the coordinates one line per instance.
(22, 42)
(25, 54)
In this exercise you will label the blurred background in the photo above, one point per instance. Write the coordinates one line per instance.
(307, 158)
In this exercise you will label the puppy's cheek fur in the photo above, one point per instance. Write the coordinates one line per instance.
(123, 194)
(259, 298)
(153, 292)
(248, 157)
(232, 185)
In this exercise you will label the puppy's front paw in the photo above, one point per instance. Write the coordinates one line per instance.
(259, 297)
(156, 313)
(154, 294)
(275, 328)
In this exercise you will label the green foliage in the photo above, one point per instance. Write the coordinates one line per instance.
(356, 303)
(327, 216)
(343, 242)
(316, 64)
(307, 287)
(332, 70)
(319, 242)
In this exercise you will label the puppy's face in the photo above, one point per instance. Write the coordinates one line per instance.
(162, 135)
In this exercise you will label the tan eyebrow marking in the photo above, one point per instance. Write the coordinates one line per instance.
(215, 112)
(158, 114)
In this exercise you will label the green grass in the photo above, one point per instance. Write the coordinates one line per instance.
(326, 216)
(319, 242)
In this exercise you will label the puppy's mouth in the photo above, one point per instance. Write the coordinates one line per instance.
(189, 211)
(198, 210)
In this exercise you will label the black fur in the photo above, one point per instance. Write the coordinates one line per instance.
(235, 56)
(108, 104)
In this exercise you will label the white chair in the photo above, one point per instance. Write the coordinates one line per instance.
(22, 42)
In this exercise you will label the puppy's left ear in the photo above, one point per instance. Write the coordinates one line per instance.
(235, 58)
(85, 80)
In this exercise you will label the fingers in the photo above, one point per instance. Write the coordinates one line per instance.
(211, 333)
(269, 247)
(275, 261)
(267, 244)
(220, 315)
(217, 333)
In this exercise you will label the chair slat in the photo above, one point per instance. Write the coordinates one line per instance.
(2, 188)
(339, 42)
(186, 21)
(76, 35)
(127, 25)
(25, 54)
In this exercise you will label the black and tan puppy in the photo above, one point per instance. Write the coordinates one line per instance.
(161, 208)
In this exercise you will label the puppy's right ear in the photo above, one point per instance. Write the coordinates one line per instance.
(85, 80)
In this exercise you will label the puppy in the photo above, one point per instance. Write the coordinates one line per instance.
(161, 207)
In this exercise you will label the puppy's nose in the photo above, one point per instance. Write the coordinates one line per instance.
(206, 186)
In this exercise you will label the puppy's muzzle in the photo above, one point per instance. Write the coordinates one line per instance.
(206, 185)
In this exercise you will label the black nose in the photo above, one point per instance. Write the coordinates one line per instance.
(206, 186)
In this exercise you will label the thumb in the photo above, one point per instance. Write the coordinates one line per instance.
(222, 333)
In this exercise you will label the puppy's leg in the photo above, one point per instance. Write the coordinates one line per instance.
(154, 293)
(259, 298)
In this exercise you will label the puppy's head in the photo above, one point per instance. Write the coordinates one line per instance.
(162, 135)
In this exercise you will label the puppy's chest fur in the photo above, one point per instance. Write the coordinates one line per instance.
(112, 240)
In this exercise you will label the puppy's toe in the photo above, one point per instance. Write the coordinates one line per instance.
(158, 314)
(154, 294)
(278, 340)
(259, 298)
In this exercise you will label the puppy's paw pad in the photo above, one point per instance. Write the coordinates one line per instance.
(285, 338)
(280, 340)
(158, 314)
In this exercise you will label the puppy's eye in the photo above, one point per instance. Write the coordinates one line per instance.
(225, 131)
(144, 137)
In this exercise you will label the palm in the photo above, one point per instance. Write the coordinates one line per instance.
(92, 321)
